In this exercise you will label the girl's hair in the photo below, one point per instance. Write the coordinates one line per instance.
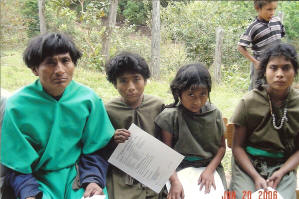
(258, 4)
(126, 62)
(49, 44)
(281, 49)
(188, 77)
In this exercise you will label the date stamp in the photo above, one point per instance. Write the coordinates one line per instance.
(248, 195)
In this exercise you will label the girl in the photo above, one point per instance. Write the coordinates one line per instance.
(193, 127)
(266, 141)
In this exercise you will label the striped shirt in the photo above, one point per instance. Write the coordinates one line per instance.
(260, 34)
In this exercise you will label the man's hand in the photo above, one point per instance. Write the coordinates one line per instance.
(93, 189)
(121, 135)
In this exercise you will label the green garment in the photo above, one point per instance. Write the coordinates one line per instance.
(253, 112)
(119, 184)
(195, 135)
(45, 137)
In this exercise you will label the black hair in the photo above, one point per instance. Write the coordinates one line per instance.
(188, 77)
(126, 62)
(258, 4)
(281, 49)
(49, 44)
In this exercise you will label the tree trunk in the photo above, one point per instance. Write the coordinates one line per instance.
(156, 38)
(218, 55)
(41, 15)
(109, 27)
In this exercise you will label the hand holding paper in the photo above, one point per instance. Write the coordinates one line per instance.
(146, 159)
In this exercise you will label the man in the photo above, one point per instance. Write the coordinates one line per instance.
(3, 97)
(51, 123)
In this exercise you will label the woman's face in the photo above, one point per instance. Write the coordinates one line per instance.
(194, 99)
(279, 74)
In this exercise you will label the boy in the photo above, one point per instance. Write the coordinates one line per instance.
(264, 31)
(128, 73)
(51, 124)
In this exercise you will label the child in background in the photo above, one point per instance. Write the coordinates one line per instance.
(128, 73)
(265, 30)
(193, 127)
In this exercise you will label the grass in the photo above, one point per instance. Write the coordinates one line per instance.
(14, 75)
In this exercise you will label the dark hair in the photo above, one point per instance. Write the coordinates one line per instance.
(258, 4)
(189, 76)
(281, 49)
(126, 62)
(49, 44)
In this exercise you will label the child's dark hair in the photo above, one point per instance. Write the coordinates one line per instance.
(126, 62)
(188, 77)
(281, 49)
(49, 44)
(258, 4)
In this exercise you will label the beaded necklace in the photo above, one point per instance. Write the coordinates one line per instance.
(284, 117)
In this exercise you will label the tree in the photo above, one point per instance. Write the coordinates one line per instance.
(156, 38)
(109, 27)
(41, 15)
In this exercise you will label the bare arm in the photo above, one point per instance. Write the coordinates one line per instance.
(207, 177)
(242, 158)
(218, 157)
(176, 190)
(246, 54)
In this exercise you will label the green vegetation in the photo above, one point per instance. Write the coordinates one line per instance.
(188, 35)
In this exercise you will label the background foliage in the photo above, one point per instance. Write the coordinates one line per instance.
(188, 35)
(188, 30)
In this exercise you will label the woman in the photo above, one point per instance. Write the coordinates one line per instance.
(266, 139)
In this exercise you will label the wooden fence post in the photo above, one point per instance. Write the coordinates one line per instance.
(109, 28)
(218, 55)
(280, 15)
(156, 38)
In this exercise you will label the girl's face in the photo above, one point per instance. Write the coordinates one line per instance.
(279, 74)
(194, 99)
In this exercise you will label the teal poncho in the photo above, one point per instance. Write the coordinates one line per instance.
(45, 137)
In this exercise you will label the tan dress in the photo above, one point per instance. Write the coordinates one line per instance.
(119, 184)
(253, 112)
(195, 135)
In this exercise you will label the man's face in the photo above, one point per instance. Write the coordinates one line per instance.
(131, 86)
(55, 73)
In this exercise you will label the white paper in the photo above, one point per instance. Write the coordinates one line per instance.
(189, 180)
(95, 197)
(146, 159)
(270, 191)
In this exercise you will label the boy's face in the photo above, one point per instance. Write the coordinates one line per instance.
(267, 11)
(131, 86)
